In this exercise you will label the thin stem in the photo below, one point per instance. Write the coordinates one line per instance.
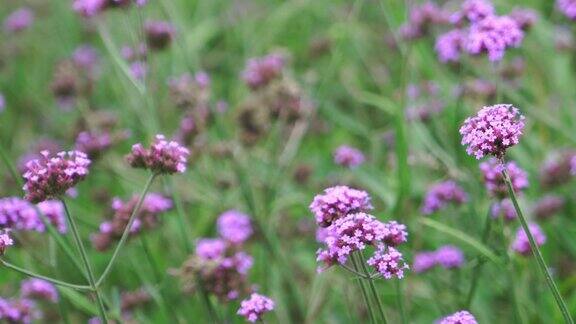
(87, 265)
(364, 292)
(536, 251)
(400, 301)
(372, 288)
(478, 267)
(347, 268)
(39, 276)
(126, 230)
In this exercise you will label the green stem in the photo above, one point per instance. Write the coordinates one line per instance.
(400, 302)
(364, 292)
(11, 168)
(536, 252)
(478, 267)
(87, 265)
(372, 288)
(35, 275)
(126, 230)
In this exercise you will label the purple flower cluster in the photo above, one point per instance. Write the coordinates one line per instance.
(39, 289)
(524, 17)
(548, 206)
(440, 194)
(493, 35)
(53, 210)
(19, 20)
(447, 256)
(51, 176)
(254, 307)
(388, 262)
(18, 214)
(505, 209)
(159, 34)
(492, 131)
(348, 156)
(93, 144)
(460, 317)
(494, 180)
(421, 19)
(262, 70)
(19, 310)
(473, 11)
(163, 157)
(91, 8)
(449, 45)
(234, 226)
(190, 91)
(147, 218)
(567, 7)
(337, 202)
(558, 169)
(521, 244)
(5, 242)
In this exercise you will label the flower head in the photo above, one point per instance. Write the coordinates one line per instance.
(504, 208)
(492, 131)
(388, 262)
(440, 194)
(19, 20)
(20, 310)
(254, 307)
(494, 180)
(449, 45)
(461, 317)
(424, 261)
(548, 206)
(449, 257)
(337, 202)
(93, 144)
(5, 242)
(396, 233)
(348, 156)
(89, 8)
(234, 226)
(473, 11)
(51, 176)
(39, 289)
(521, 244)
(53, 210)
(493, 35)
(567, 7)
(163, 157)
(262, 70)
(159, 34)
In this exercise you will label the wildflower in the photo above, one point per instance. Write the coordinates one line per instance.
(2, 103)
(492, 131)
(567, 7)
(138, 70)
(521, 244)
(348, 156)
(494, 180)
(548, 206)
(19, 20)
(256, 306)
(388, 262)
(89, 8)
(18, 214)
(337, 202)
(558, 169)
(461, 317)
(93, 144)
(163, 157)
(5, 242)
(260, 71)
(51, 176)
(159, 34)
(86, 57)
(424, 261)
(449, 257)
(493, 35)
(473, 11)
(395, 233)
(234, 226)
(504, 208)
(189, 91)
(421, 19)
(440, 194)
(210, 249)
(132, 299)
(39, 289)
(524, 17)
(18, 311)
(449, 46)
(53, 210)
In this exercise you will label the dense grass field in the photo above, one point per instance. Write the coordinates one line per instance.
(263, 105)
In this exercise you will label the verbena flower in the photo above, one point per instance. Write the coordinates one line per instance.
(567, 7)
(89, 8)
(93, 144)
(5, 242)
(163, 157)
(18, 214)
(51, 176)
(558, 169)
(424, 261)
(521, 244)
(388, 262)
(441, 194)
(234, 226)
(421, 19)
(348, 156)
(493, 35)
(255, 307)
(492, 131)
(262, 70)
(504, 208)
(159, 34)
(524, 17)
(53, 210)
(20, 310)
(449, 45)
(337, 202)
(138, 70)
(473, 11)
(460, 317)
(396, 233)
(494, 180)
(19, 20)
(548, 206)
(39, 289)
(449, 257)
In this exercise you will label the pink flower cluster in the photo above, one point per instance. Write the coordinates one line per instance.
(5, 242)
(388, 262)
(254, 307)
(567, 7)
(337, 202)
(441, 194)
(39, 289)
(51, 176)
(421, 19)
(521, 244)
(558, 169)
(447, 256)
(494, 180)
(473, 11)
(19, 20)
(461, 317)
(492, 131)
(19, 310)
(91, 8)
(493, 35)
(18, 214)
(234, 226)
(549, 205)
(348, 156)
(262, 70)
(163, 157)
(93, 144)
(159, 34)
(504, 208)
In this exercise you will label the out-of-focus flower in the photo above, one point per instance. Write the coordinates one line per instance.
(557, 170)
(2, 103)
(39, 289)
(87, 58)
(493, 35)
(504, 208)
(424, 261)
(449, 45)
(51, 176)
(89, 8)
(5, 242)
(348, 156)
(234, 226)
(163, 157)
(492, 131)
(139, 53)
(563, 39)
(494, 180)
(337, 202)
(548, 206)
(567, 7)
(188, 91)
(524, 17)
(388, 262)
(159, 34)
(521, 244)
(20, 310)
(461, 317)
(255, 307)
(473, 11)
(53, 210)
(261, 70)
(129, 300)
(138, 70)
(93, 144)
(70, 81)
(449, 257)
(441, 194)
(18, 214)
(421, 19)
(19, 20)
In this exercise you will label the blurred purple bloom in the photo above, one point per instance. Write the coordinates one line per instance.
(138, 69)
(53, 210)
(19, 20)
(159, 34)
(86, 57)
(421, 18)
(2, 103)
(254, 307)
(440, 194)
(493, 35)
(234, 226)
(337, 202)
(261, 70)
(21, 310)
(39, 289)
(163, 157)
(461, 317)
(93, 144)
(424, 261)
(209, 249)
(524, 17)
(18, 214)
(473, 11)
(449, 257)
(494, 180)
(521, 245)
(504, 208)
(89, 8)
(449, 45)
(567, 7)
(348, 156)
(548, 206)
